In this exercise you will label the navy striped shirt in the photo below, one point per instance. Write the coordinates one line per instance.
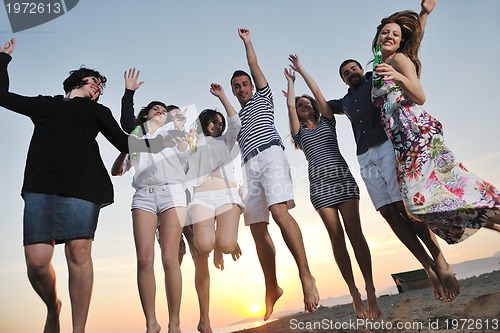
(257, 122)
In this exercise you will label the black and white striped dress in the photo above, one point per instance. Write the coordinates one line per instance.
(330, 181)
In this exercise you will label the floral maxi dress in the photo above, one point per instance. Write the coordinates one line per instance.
(435, 188)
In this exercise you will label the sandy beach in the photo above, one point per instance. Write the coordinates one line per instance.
(476, 309)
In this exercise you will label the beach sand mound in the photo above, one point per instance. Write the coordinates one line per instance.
(476, 309)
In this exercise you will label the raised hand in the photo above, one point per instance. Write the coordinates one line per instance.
(427, 6)
(289, 74)
(295, 62)
(290, 77)
(244, 34)
(9, 46)
(131, 79)
(216, 90)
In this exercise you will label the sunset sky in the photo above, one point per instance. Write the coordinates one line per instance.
(182, 47)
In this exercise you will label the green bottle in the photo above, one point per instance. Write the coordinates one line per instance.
(377, 81)
(137, 133)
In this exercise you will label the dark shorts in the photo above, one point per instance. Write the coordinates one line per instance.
(51, 217)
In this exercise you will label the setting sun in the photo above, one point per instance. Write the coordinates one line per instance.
(256, 310)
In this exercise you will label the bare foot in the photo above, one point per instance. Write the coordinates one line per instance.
(311, 295)
(374, 311)
(449, 281)
(359, 306)
(437, 286)
(236, 253)
(218, 258)
(271, 298)
(174, 329)
(204, 327)
(52, 324)
(153, 328)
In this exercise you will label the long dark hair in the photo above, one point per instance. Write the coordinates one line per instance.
(411, 38)
(142, 116)
(205, 117)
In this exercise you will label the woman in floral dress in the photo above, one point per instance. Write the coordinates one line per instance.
(435, 187)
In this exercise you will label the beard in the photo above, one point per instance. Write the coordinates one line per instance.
(355, 80)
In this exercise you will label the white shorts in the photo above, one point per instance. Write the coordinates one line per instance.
(268, 181)
(378, 170)
(216, 199)
(157, 199)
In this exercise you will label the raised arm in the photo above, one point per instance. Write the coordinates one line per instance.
(323, 107)
(5, 58)
(290, 101)
(9, 46)
(20, 104)
(132, 83)
(217, 90)
(257, 75)
(426, 7)
(233, 121)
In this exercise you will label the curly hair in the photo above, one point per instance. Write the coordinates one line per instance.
(411, 38)
(76, 78)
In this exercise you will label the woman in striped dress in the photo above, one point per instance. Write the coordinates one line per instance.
(332, 187)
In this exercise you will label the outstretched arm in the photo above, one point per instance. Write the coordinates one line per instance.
(257, 75)
(217, 90)
(290, 101)
(426, 7)
(323, 107)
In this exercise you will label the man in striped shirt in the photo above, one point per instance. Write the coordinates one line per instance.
(268, 182)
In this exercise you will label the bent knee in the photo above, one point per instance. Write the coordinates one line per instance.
(226, 246)
(205, 247)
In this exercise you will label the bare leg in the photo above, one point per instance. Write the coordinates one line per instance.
(492, 226)
(145, 225)
(267, 258)
(352, 223)
(42, 277)
(218, 258)
(332, 223)
(81, 280)
(226, 234)
(493, 223)
(443, 269)
(293, 238)
(408, 237)
(171, 222)
(203, 228)
(202, 284)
